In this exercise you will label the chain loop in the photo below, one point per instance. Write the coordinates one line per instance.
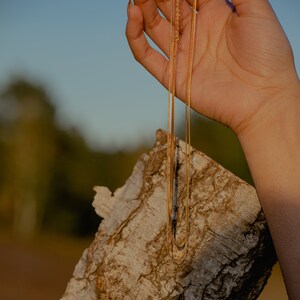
(178, 249)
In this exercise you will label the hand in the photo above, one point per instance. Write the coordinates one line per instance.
(242, 63)
(243, 77)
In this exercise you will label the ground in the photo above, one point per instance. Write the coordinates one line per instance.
(40, 269)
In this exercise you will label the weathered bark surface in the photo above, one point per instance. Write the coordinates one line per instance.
(230, 252)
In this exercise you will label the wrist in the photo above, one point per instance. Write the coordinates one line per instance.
(271, 142)
(279, 116)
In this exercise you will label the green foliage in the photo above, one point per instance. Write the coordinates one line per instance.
(47, 173)
(77, 171)
(27, 119)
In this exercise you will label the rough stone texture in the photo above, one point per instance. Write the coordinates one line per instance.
(230, 252)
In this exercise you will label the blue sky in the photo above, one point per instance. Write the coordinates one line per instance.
(78, 50)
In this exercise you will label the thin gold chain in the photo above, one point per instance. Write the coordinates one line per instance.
(180, 246)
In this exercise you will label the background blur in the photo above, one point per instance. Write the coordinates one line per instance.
(76, 111)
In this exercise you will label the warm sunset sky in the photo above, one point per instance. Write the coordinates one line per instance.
(78, 50)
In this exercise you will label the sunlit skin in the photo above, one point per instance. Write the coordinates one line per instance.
(244, 77)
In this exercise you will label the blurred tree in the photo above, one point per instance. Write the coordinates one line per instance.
(77, 170)
(47, 172)
(28, 129)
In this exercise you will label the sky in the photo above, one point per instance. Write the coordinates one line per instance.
(77, 49)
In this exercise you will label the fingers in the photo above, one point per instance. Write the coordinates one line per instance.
(241, 7)
(191, 3)
(202, 3)
(257, 7)
(165, 7)
(156, 27)
(152, 60)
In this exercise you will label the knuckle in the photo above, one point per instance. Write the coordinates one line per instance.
(165, 76)
(141, 57)
(162, 1)
(154, 22)
(141, 2)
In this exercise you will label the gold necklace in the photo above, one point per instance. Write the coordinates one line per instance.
(178, 249)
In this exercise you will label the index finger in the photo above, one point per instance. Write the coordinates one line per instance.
(152, 60)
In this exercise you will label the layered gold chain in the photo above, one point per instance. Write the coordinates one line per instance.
(178, 247)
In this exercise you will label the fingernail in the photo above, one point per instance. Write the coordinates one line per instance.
(130, 3)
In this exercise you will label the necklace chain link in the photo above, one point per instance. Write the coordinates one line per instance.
(178, 249)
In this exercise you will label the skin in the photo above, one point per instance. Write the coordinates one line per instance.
(243, 77)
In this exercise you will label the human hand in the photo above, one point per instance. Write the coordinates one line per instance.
(243, 61)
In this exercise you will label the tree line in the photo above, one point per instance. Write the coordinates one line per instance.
(47, 172)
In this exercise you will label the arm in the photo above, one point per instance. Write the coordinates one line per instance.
(244, 77)
(271, 146)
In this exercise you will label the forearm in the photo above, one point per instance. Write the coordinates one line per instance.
(272, 149)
